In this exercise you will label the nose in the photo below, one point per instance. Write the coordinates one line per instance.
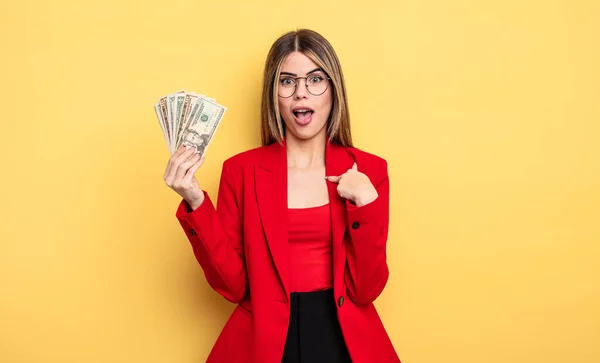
(301, 91)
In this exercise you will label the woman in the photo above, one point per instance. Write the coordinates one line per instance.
(298, 236)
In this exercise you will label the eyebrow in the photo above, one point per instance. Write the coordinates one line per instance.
(294, 74)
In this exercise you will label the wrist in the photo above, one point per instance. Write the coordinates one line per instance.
(196, 202)
(365, 198)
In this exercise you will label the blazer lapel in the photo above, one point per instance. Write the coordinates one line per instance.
(337, 162)
(271, 192)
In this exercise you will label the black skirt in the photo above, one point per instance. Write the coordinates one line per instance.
(314, 333)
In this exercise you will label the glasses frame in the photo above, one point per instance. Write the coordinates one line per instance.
(305, 85)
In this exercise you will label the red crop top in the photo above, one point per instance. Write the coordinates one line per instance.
(310, 249)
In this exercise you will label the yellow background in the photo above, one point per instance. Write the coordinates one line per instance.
(487, 112)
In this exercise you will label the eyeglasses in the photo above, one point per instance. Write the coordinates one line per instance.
(316, 84)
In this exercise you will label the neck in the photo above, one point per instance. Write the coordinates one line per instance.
(306, 153)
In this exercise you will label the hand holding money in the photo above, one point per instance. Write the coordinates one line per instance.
(189, 122)
(180, 175)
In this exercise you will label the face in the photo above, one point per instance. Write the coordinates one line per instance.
(192, 137)
(305, 115)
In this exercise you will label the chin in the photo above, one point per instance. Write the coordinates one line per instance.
(305, 132)
(305, 136)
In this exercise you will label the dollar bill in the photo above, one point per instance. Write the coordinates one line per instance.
(179, 100)
(189, 101)
(165, 120)
(202, 125)
(190, 109)
(171, 118)
(161, 121)
(188, 118)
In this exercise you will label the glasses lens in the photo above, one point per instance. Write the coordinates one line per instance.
(317, 83)
(287, 86)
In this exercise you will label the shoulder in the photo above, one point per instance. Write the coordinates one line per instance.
(247, 156)
(245, 160)
(375, 166)
(367, 157)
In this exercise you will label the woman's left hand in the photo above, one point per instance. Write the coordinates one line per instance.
(355, 186)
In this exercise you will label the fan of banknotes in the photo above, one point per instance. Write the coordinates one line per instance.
(187, 118)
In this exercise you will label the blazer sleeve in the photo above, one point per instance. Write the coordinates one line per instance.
(367, 270)
(215, 235)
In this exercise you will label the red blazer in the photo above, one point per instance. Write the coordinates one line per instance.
(241, 247)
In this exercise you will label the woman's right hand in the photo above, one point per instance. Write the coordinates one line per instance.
(180, 175)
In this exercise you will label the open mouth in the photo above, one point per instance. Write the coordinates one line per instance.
(303, 114)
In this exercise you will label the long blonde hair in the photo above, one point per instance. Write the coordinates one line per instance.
(320, 51)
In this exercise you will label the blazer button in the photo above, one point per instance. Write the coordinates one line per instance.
(192, 232)
(341, 301)
(355, 225)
